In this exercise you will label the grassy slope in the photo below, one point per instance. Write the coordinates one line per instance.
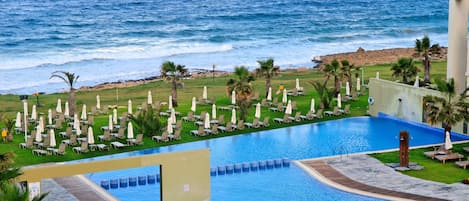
(193, 87)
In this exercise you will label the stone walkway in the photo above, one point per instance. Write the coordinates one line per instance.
(367, 170)
(73, 188)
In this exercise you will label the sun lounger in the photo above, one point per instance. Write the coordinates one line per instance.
(286, 119)
(189, 117)
(105, 137)
(39, 152)
(466, 149)
(436, 150)
(265, 123)
(296, 118)
(81, 149)
(120, 134)
(346, 109)
(163, 138)
(117, 145)
(240, 125)
(27, 144)
(451, 156)
(60, 150)
(176, 136)
(199, 132)
(254, 124)
(279, 108)
(462, 164)
(335, 112)
(308, 116)
(137, 141)
(227, 128)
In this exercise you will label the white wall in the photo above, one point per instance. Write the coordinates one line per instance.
(386, 94)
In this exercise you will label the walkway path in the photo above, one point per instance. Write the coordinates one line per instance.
(365, 173)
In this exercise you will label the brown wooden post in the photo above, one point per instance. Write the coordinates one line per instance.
(404, 148)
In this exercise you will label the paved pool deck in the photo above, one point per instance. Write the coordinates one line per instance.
(365, 175)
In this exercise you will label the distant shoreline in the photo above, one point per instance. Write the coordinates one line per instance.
(360, 57)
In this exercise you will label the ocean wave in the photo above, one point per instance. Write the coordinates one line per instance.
(35, 60)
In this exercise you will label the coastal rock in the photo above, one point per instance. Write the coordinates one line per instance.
(362, 57)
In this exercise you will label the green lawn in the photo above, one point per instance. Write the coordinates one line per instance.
(10, 104)
(434, 170)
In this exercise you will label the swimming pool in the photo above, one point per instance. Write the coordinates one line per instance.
(342, 136)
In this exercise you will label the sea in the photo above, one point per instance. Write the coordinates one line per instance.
(118, 40)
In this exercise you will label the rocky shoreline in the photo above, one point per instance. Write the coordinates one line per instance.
(360, 57)
(363, 57)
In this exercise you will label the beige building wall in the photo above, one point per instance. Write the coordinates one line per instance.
(386, 95)
(185, 175)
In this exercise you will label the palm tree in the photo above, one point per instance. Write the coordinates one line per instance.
(268, 70)
(333, 70)
(448, 110)
(422, 47)
(325, 95)
(404, 67)
(348, 70)
(70, 79)
(241, 84)
(8, 189)
(172, 73)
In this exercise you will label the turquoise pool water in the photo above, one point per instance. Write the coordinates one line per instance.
(342, 136)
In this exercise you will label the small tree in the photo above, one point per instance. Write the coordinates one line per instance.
(8, 174)
(449, 110)
(172, 73)
(404, 67)
(70, 79)
(325, 95)
(333, 70)
(147, 122)
(268, 70)
(422, 47)
(242, 86)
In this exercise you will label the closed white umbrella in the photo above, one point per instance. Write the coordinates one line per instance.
(233, 116)
(448, 144)
(38, 134)
(169, 127)
(297, 86)
(129, 107)
(214, 111)
(98, 102)
(41, 124)
(170, 102)
(49, 116)
(312, 107)
(34, 113)
(258, 111)
(193, 106)
(288, 110)
(377, 75)
(204, 93)
(83, 112)
(284, 97)
(114, 116)
(67, 109)
(76, 121)
(149, 98)
(173, 116)
(339, 101)
(110, 124)
(25, 108)
(25, 112)
(269, 94)
(207, 121)
(78, 131)
(90, 135)
(416, 83)
(358, 84)
(59, 106)
(347, 89)
(130, 130)
(18, 120)
(233, 97)
(53, 142)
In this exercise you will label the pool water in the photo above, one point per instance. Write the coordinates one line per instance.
(336, 137)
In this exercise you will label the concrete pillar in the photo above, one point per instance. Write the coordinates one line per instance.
(457, 46)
